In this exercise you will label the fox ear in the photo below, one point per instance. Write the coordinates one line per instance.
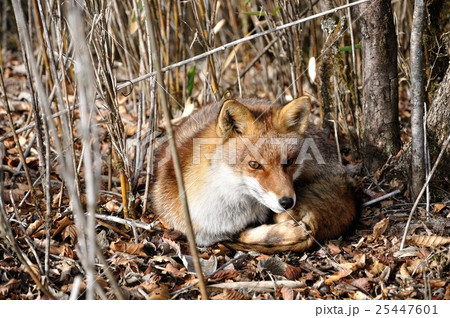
(234, 119)
(294, 116)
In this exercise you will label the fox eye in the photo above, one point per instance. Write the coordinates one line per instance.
(289, 162)
(254, 165)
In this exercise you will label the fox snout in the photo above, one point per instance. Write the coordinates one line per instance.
(286, 202)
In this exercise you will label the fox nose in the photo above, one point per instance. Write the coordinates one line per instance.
(286, 202)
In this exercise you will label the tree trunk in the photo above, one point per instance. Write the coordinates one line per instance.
(417, 100)
(381, 134)
(438, 129)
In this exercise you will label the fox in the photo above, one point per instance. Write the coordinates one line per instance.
(258, 176)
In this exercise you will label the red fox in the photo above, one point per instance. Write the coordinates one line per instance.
(257, 177)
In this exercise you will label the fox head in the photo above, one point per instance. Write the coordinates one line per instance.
(267, 144)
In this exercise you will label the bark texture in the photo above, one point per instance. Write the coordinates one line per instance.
(381, 134)
(417, 100)
(438, 129)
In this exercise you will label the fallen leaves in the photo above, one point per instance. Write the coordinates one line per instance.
(9, 286)
(229, 294)
(130, 248)
(429, 240)
(379, 229)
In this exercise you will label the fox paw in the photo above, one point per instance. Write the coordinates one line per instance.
(284, 233)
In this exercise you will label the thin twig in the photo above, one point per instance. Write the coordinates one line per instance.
(258, 286)
(388, 195)
(129, 222)
(416, 203)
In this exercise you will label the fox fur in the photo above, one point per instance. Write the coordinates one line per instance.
(257, 176)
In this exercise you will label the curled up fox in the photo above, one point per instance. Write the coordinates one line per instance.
(257, 177)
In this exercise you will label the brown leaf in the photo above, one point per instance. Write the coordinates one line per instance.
(358, 295)
(437, 283)
(230, 294)
(160, 293)
(336, 277)
(225, 274)
(438, 207)
(415, 266)
(447, 293)
(334, 249)
(429, 240)
(61, 225)
(36, 229)
(362, 283)
(148, 286)
(70, 231)
(380, 227)
(62, 250)
(292, 272)
(130, 248)
(404, 273)
(12, 284)
(35, 269)
(376, 268)
(174, 271)
(66, 270)
(112, 206)
(285, 293)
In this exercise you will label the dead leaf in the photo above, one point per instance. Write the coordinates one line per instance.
(415, 266)
(429, 241)
(438, 207)
(285, 293)
(174, 271)
(66, 271)
(148, 287)
(358, 295)
(61, 225)
(36, 229)
(336, 277)
(447, 293)
(34, 269)
(292, 272)
(160, 293)
(362, 283)
(12, 284)
(230, 294)
(112, 206)
(380, 228)
(334, 249)
(70, 231)
(404, 273)
(376, 268)
(225, 274)
(209, 266)
(62, 250)
(130, 248)
(437, 283)
(406, 252)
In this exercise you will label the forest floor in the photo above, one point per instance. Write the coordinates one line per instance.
(155, 264)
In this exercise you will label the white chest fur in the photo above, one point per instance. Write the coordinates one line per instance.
(222, 206)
